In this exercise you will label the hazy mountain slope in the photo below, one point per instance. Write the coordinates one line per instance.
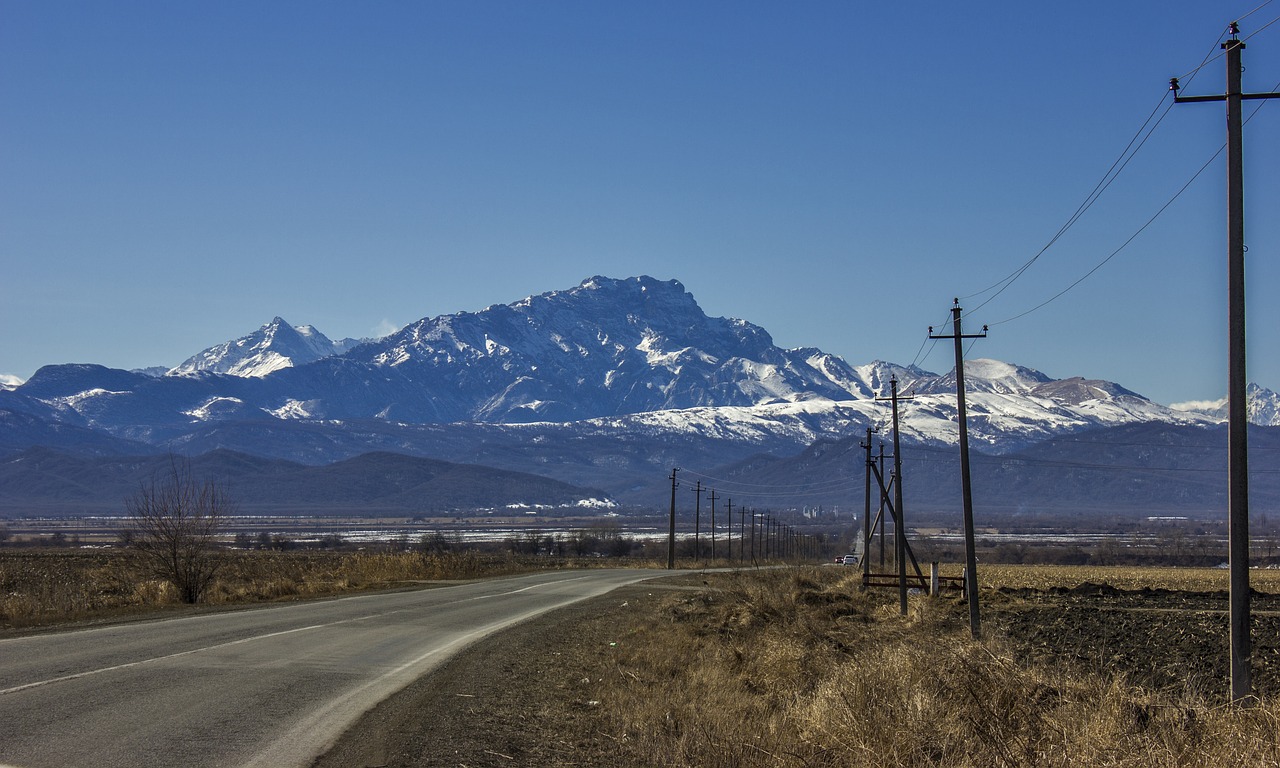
(49, 482)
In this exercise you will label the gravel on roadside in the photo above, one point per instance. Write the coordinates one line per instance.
(513, 698)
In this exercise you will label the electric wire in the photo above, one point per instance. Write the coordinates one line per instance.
(725, 481)
(1107, 179)
(1259, 29)
(1255, 10)
(1134, 236)
(776, 490)
(1264, 26)
(981, 459)
(1117, 167)
(918, 360)
(1212, 57)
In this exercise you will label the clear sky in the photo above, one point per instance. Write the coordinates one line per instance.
(174, 175)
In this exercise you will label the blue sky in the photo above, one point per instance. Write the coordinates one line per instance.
(173, 175)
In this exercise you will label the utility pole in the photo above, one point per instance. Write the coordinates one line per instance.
(713, 525)
(866, 513)
(671, 532)
(742, 534)
(966, 489)
(728, 533)
(697, 521)
(1237, 410)
(884, 498)
(900, 528)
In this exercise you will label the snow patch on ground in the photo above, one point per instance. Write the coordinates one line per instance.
(293, 409)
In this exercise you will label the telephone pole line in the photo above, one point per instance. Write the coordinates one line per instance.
(1237, 410)
(966, 489)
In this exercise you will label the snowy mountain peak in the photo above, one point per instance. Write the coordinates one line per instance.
(878, 374)
(272, 347)
(605, 347)
(986, 375)
(1263, 407)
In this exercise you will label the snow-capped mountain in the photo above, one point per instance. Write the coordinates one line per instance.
(1263, 407)
(604, 348)
(274, 346)
(610, 377)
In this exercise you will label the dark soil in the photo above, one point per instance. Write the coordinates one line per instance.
(1159, 638)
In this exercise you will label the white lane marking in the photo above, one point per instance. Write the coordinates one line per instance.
(318, 731)
(526, 589)
(126, 665)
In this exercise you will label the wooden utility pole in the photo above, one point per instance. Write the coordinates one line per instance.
(899, 529)
(966, 489)
(884, 500)
(671, 531)
(866, 513)
(1237, 406)
(728, 532)
(697, 521)
(742, 534)
(766, 536)
(713, 525)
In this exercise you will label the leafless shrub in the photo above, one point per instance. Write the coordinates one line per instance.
(174, 521)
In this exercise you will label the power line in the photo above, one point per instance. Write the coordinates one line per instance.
(725, 481)
(1132, 237)
(1264, 26)
(1103, 184)
(1255, 10)
(1117, 167)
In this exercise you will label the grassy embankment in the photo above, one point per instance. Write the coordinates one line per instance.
(800, 668)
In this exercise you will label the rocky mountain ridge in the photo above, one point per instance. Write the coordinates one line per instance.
(613, 379)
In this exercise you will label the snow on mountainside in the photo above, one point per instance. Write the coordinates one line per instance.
(1263, 407)
(274, 346)
(609, 354)
(606, 347)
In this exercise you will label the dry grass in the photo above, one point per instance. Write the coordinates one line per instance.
(800, 668)
(39, 587)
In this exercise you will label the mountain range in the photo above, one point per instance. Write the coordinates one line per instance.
(39, 480)
(605, 385)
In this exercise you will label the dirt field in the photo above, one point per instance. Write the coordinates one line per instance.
(1161, 638)
(531, 695)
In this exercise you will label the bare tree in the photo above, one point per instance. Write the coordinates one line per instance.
(174, 521)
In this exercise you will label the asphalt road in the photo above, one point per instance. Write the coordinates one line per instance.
(270, 687)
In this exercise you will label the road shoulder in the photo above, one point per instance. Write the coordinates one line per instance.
(509, 699)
